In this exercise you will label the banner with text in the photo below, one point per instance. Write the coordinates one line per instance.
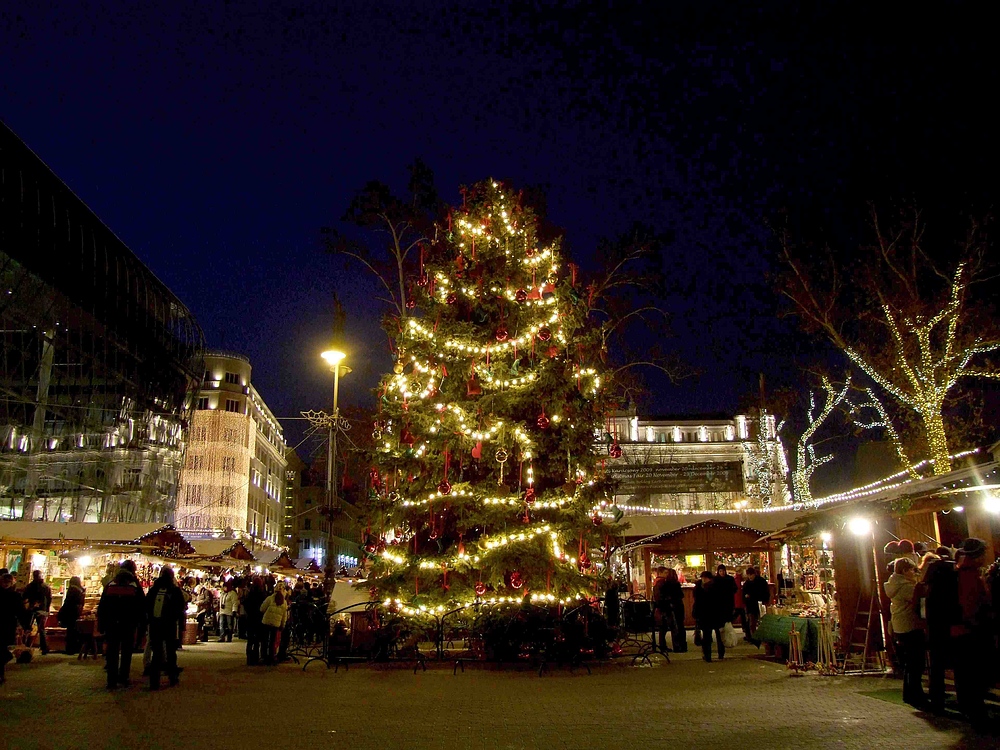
(723, 476)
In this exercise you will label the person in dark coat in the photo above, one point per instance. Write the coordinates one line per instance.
(70, 611)
(726, 591)
(708, 613)
(255, 597)
(121, 614)
(971, 636)
(673, 597)
(38, 602)
(11, 607)
(166, 612)
(663, 610)
(756, 591)
(939, 588)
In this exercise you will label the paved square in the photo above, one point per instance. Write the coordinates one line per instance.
(742, 702)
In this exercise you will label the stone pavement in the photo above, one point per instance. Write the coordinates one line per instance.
(743, 702)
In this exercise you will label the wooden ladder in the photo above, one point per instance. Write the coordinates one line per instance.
(862, 642)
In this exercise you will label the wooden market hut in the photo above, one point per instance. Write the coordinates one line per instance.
(148, 538)
(706, 539)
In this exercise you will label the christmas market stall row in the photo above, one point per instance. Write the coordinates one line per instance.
(840, 553)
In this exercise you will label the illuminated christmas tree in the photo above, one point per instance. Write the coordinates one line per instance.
(485, 481)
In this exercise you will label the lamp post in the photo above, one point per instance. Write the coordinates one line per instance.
(334, 359)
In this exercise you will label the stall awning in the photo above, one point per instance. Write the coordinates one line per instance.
(708, 534)
(219, 548)
(69, 535)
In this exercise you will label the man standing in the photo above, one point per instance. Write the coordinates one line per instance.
(756, 591)
(971, 634)
(725, 590)
(167, 614)
(708, 614)
(940, 587)
(663, 613)
(120, 615)
(11, 606)
(38, 602)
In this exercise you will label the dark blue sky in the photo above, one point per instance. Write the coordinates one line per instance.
(216, 138)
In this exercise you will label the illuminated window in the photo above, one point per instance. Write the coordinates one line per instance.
(232, 377)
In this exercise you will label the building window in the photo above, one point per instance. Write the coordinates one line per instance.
(233, 378)
(233, 405)
(228, 463)
(307, 524)
(306, 544)
(194, 462)
(203, 403)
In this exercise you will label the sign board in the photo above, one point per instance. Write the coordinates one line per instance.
(665, 479)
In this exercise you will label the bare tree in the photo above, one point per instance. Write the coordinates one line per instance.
(903, 311)
(403, 224)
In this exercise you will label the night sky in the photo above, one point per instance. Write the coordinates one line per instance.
(216, 138)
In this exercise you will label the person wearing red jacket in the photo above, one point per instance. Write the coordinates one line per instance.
(120, 615)
(971, 632)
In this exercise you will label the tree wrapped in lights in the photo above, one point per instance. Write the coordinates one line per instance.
(806, 458)
(903, 312)
(485, 483)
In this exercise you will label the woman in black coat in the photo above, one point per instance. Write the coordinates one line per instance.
(69, 613)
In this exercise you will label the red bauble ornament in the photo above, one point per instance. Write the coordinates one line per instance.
(584, 561)
(520, 295)
(615, 450)
(393, 608)
(424, 280)
(529, 253)
(552, 352)
(501, 334)
(480, 589)
(544, 334)
(445, 487)
(543, 421)
(516, 580)
(373, 593)
(451, 299)
(529, 495)
(411, 303)
(406, 437)
(477, 452)
(597, 519)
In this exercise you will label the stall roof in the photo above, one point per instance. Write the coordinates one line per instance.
(919, 495)
(642, 527)
(709, 526)
(75, 533)
(211, 548)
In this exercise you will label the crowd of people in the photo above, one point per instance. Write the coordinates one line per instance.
(265, 611)
(941, 607)
(718, 599)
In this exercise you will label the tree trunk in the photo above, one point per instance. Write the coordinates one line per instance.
(937, 441)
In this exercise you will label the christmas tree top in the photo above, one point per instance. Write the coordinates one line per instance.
(485, 481)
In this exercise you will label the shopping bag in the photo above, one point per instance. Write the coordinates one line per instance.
(729, 637)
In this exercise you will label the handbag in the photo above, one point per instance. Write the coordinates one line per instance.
(729, 637)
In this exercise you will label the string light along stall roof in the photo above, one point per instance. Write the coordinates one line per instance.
(484, 478)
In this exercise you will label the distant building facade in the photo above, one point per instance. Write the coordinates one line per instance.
(694, 465)
(98, 360)
(308, 531)
(233, 480)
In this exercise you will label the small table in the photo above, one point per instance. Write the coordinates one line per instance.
(775, 629)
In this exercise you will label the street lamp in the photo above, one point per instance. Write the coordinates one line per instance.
(333, 358)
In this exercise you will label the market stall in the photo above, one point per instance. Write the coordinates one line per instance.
(692, 549)
(89, 551)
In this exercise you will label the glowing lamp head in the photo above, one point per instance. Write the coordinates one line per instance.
(333, 357)
(859, 526)
(992, 503)
(86, 561)
(826, 537)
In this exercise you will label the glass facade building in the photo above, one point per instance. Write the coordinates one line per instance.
(99, 361)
